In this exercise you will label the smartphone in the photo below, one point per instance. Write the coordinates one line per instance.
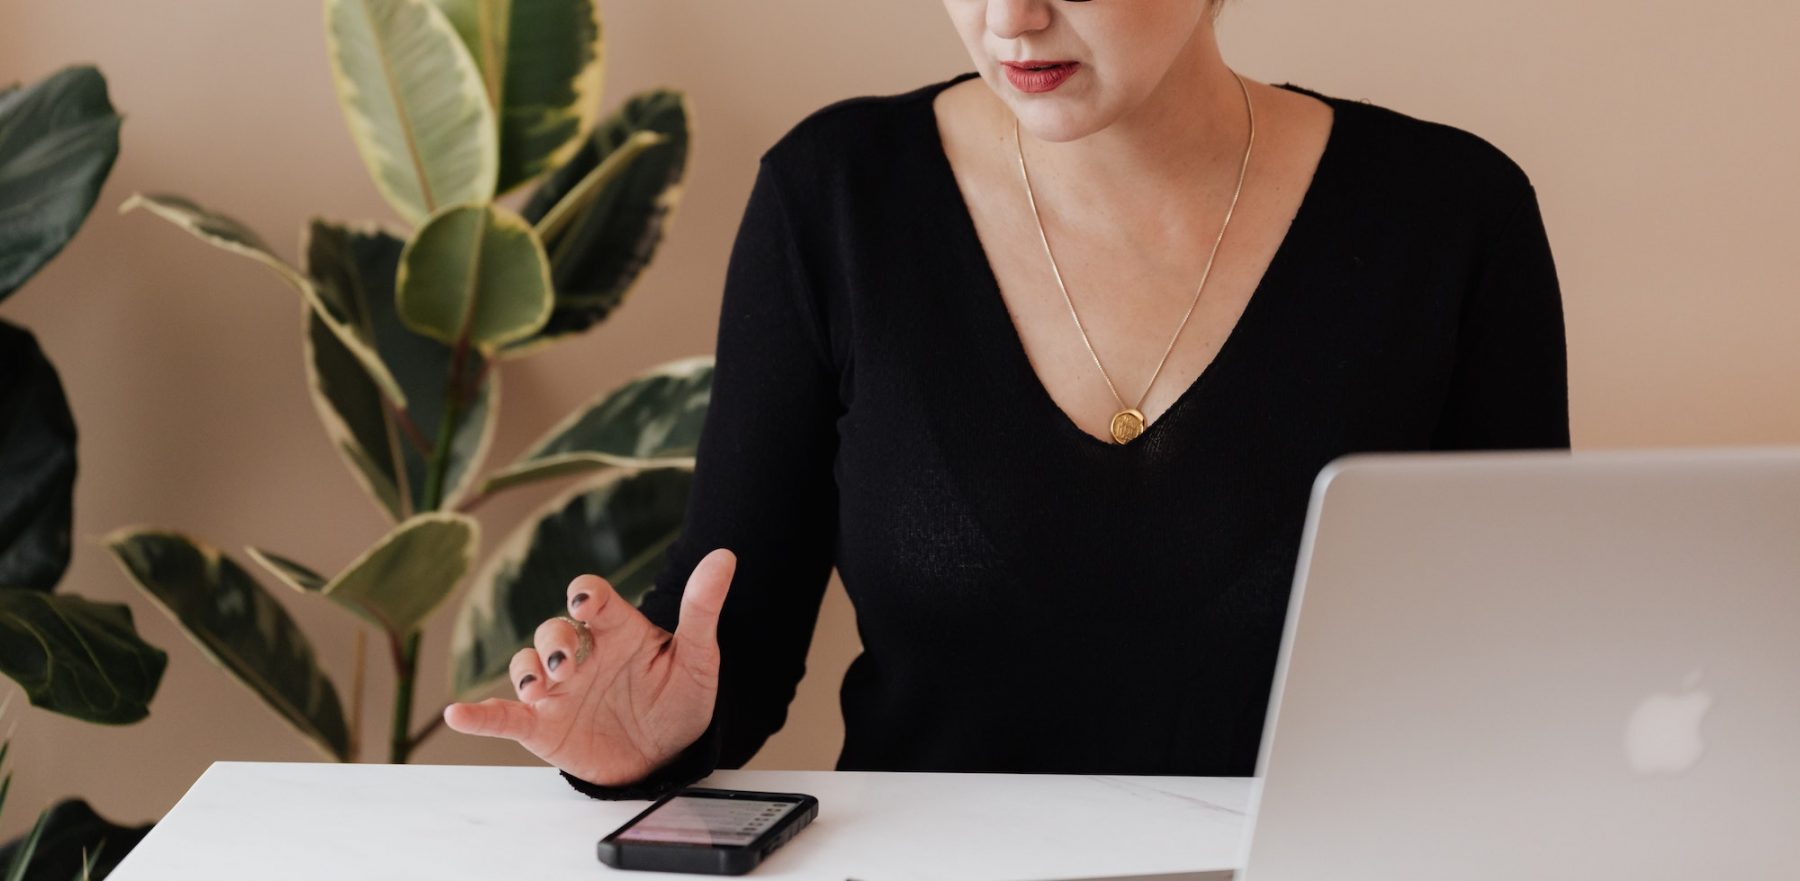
(708, 831)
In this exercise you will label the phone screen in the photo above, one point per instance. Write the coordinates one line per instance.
(687, 819)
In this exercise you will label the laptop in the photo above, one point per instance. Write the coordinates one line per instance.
(1539, 665)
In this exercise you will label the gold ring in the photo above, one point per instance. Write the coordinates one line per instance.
(584, 636)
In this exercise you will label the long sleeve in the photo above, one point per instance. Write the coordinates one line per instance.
(763, 488)
(1510, 387)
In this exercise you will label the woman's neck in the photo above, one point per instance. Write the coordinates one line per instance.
(1187, 136)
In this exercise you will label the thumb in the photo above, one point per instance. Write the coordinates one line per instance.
(701, 603)
(492, 718)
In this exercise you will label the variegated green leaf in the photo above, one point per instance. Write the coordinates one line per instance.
(355, 268)
(237, 624)
(475, 272)
(653, 420)
(414, 102)
(399, 581)
(610, 170)
(540, 61)
(618, 527)
(288, 572)
(359, 424)
(228, 234)
(600, 243)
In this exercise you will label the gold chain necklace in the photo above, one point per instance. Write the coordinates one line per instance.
(1128, 423)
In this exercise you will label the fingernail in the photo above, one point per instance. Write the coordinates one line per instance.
(527, 679)
(577, 601)
(555, 660)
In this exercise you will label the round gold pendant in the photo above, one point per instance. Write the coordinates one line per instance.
(1127, 424)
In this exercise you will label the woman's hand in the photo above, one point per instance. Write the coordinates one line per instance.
(639, 698)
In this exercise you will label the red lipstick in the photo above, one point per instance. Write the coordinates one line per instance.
(1039, 76)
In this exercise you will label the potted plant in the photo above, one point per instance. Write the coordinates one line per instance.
(453, 104)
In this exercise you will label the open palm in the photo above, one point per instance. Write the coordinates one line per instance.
(639, 698)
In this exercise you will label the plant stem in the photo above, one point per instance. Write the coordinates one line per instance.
(410, 428)
(429, 728)
(406, 668)
(356, 693)
(480, 377)
(406, 657)
(453, 403)
(473, 501)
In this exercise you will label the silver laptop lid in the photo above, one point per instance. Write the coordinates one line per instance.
(1543, 665)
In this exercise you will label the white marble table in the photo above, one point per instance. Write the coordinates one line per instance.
(272, 821)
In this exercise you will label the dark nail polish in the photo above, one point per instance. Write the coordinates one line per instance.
(527, 679)
(577, 601)
(555, 660)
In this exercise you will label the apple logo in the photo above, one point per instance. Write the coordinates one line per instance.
(1663, 734)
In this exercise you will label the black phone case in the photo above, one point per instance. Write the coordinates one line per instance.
(703, 859)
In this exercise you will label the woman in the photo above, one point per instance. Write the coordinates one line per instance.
(1045, 362)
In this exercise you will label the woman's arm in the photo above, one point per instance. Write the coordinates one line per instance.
(1509, 388)
(763, 487)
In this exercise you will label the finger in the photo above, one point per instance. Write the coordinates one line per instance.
(592, 599)
(556, 641)
(703, 600)
(492, 718)
(527, 673)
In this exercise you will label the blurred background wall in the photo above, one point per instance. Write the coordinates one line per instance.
(1661, 136)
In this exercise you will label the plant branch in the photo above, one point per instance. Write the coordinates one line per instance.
(406, 668)
(481, 373)
(453, 404)
(472, 502)
(429, 728)
(409, 428)
(406, 656)
(356, 692)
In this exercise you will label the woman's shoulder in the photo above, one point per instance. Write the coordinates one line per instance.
(870, 128)
(1425, 155)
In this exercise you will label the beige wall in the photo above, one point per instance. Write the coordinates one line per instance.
(1660, 134)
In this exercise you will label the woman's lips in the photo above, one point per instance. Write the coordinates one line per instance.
(1025, 79)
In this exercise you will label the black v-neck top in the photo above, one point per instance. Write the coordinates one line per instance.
(1031, 598)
